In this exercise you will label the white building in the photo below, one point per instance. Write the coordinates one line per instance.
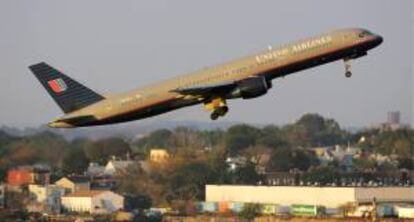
(159, 155)
(94, 169)
(325, 196)
(117, 166)
(2, 194)
(46, 197)
(93, 202)
(74, 184)
(236, 162)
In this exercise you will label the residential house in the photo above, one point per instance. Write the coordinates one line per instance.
(41, 174)
(261, 161)
(24, 175)
(114, 167)
(343, 155)
(324, 154)
(94, 169)
(93, 202)
(159, 155)
(19, 177)
(340, 152)
(103, 182)
(46, 198)
(2, 194)
(236, 162)
(347, 163)
(145, 166)
(380, 159)
(346, 156)
(73, 184)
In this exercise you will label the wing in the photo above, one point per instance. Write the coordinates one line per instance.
(206, 90)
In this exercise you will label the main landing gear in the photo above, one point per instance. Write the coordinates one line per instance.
(220, 111)
(347, 63)
(218, 108)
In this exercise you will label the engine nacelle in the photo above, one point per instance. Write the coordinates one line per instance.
(251, 88)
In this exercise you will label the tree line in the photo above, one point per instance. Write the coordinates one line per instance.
(198, 157)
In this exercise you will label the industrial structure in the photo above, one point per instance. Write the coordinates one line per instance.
(332, 197)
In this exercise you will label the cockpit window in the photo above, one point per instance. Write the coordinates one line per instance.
(364, 34)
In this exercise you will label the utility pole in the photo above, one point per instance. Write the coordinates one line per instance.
(374, 210)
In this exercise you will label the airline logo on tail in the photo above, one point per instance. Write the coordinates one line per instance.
(57, 85)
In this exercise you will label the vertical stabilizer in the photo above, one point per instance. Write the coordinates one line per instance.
(67, 93)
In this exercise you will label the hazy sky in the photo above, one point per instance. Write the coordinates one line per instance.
(115, 46)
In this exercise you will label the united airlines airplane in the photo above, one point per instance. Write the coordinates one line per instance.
(246, 78)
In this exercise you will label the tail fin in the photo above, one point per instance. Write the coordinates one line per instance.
(67, 93)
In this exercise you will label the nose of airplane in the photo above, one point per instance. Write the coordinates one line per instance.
(378, 40)
(373, 41)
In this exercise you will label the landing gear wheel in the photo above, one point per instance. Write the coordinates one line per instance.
(214, 115)
(222, 110)
(347, 64)
(217, 106)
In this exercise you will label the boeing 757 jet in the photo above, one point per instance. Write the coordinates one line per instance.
(246, 78)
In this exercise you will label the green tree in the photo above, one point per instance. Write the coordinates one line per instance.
(239, 137)
(272, 136)
(217, 163)
(364, 164)
(322, 175)
(5, 139)
(314, 130)
(284, 159)
(211, 138)
(137, 182)
(74, 161)
(280, 160)
(188, 181)
(138, 202)
(184, 137)
(399, 142)
(102, 150)
(44, 147)
(246, 175)
(159, 138)
(406, 163)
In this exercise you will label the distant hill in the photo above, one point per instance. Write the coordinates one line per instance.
(5, 136)
(126, 130)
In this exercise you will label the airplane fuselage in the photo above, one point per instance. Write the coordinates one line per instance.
(273, 63)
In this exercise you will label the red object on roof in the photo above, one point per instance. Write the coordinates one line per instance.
(19, 177)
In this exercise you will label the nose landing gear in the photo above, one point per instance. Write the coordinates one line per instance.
(347, 63)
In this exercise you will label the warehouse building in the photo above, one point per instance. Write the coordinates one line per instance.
(93, 202)
(324, 196)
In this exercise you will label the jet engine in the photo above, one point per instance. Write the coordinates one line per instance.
(251, 88)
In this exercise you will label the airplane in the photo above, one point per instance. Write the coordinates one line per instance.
(246, 78)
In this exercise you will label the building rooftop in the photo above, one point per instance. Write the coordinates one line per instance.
(90, 193)
(120, 164)
(77, 179)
